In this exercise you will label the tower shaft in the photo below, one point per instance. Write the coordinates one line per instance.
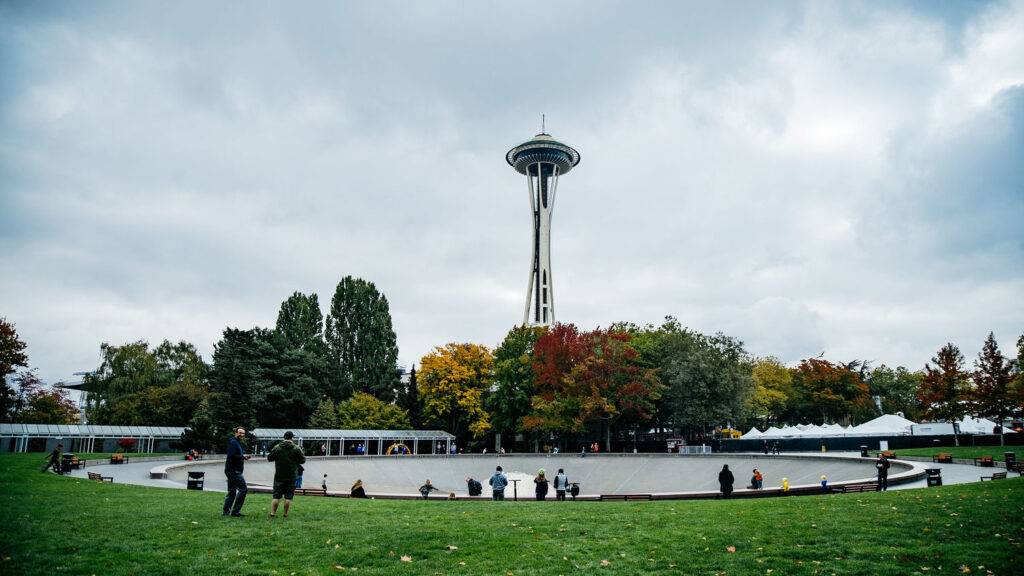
(542, 184)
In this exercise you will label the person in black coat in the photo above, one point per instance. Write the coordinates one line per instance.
(541, 483)
(725, 481)
(357, 490)
(883, 472)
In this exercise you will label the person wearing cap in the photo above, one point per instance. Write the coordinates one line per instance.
(287, 457)
(541, 483)
(498, 483)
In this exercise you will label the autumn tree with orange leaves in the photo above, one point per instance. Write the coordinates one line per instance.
(832, 390)
(588, 377)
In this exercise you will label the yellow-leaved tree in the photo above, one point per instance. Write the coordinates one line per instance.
(452, 383)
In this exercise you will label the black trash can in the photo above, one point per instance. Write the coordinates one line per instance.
(196, 480)
(934, 476)
(1011, 460)
(863, 451)
(66, 460)
(574, 490)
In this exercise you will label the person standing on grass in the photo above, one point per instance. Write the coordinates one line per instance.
(725, 481)
(882, 465)
(233, 467)
(498, 483)
(54, 460)
(287, 457)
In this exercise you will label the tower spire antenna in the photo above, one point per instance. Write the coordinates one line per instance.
(542, 160)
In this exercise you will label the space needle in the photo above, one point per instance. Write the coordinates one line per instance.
(542, 160)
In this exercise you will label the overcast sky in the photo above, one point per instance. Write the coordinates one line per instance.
(834, 177)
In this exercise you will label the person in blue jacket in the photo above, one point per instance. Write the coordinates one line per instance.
(498, 483)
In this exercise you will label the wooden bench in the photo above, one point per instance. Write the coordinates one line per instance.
(96, 476)
(995, 476)
(623, 497)
(118, 458)
(985, 461)
(889, 454)
(856, 488)
(943, 458)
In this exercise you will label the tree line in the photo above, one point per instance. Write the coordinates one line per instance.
(551, 386)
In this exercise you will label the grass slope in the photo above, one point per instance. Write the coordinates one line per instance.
(968, 452)
(61, 525)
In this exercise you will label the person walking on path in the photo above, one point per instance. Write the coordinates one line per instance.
(54, 460)
(426, 488)
(541, 482)
(882, 465)
(725, 481)
(498, 483)
(561, 484)
(233, 467)
(287, 457)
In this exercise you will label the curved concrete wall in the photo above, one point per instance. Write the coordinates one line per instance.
(658, 474)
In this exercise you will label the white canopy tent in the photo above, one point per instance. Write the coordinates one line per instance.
(884, 425)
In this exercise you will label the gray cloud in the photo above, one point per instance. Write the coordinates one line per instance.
(806, 177)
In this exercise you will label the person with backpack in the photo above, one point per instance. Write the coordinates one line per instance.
(474, 486)
(498, 483)
(561, 484)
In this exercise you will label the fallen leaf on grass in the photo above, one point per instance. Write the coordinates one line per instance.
(605, 563)
(730, 548)
(406, 559)
(453, 547)
(336, 567)
(462, 563)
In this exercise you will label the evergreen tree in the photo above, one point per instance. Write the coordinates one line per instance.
(301, 323)
(993, 383)
(408, 400)
(325, 417)
(361, 340)
(945, 388)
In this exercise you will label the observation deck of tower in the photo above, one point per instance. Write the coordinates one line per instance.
(542, 160)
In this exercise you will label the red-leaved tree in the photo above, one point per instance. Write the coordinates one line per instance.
(588, 377)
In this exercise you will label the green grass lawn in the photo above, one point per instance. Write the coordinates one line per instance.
(968, 452)
(62, 525)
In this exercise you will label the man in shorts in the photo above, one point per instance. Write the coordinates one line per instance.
(286, 457)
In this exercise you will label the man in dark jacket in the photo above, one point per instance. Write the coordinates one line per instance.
(286, 457)
(55, 460)
(882, 465)
(233, 467)
(725, 480)
(474, 487)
